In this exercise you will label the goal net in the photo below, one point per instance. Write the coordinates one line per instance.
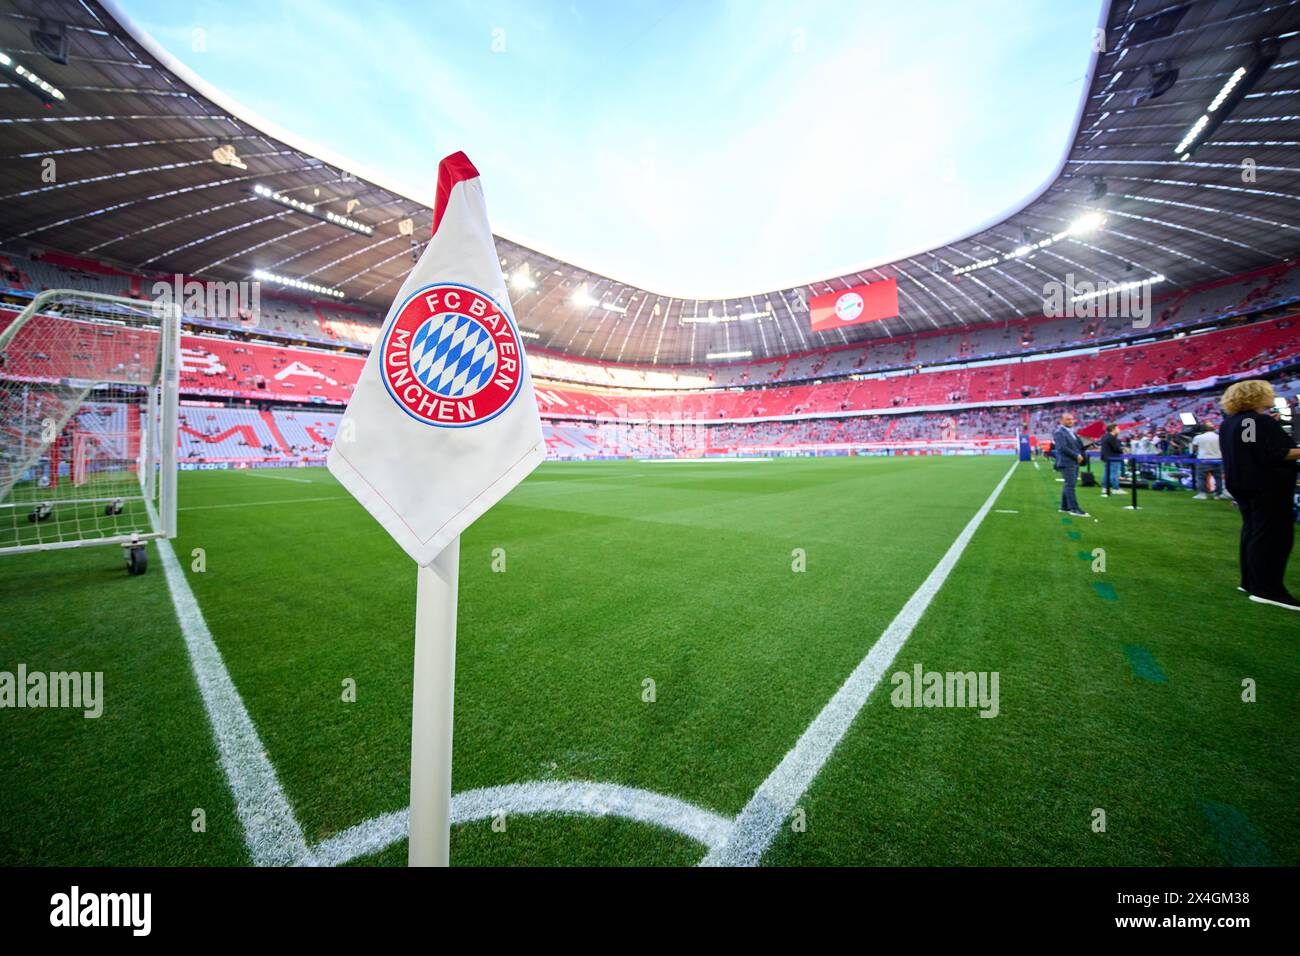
(88, 387)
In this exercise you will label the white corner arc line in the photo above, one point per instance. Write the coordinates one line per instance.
(762, 818)
(271, 830)
(569, 797)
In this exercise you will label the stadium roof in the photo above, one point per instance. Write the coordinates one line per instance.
(137, 183)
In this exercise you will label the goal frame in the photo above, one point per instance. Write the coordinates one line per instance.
(157, 463)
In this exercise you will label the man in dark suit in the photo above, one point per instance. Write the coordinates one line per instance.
(1069, 456)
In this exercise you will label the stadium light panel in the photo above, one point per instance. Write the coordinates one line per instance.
(582, 298)
(974, 266)
(1233, 80)
(1192, 133)
(1119, 287)
(712, 319)
(347, 223)
(268, 193)
(521, 280)
(1087, 223)
(729, 355)
(310, 209)
(1233, 91)
(263, 276)
(48, 92)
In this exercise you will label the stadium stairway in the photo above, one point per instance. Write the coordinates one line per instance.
(274, 429)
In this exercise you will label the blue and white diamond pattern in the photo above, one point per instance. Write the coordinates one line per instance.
(452, 355)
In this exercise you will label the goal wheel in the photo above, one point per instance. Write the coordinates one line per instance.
(137, 560)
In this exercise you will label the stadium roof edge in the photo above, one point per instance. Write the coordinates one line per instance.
(426, 197)
(141, 183)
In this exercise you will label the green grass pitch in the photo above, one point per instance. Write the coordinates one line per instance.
(1120, 690)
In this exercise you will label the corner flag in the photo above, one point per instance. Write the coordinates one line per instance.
(442, 423)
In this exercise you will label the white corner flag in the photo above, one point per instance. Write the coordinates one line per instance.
(441, 425)
(443, 422)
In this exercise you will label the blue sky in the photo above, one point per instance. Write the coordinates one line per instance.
(699, 149)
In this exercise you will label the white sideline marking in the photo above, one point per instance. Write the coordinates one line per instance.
(758, 823)
(277, 501)
(694, 461)
(270, 827)
(1035, 464)
(542, 796)
(1004, 511)
(301, 481)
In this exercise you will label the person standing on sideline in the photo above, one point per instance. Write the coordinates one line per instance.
(1259, 470)
(1069, 456)
(1112, 455)
(1205, 447)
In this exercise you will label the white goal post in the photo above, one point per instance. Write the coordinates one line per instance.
(88, 423)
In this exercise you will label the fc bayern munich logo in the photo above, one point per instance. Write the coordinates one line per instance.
(451, 357)
(848, 306)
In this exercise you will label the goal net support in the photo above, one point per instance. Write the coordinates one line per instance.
(88, 417)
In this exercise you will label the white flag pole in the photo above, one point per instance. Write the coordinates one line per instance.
(425, 483)
(432, 706)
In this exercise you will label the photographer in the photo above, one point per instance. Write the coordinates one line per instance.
(1259, 471)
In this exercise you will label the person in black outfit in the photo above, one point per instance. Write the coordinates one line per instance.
(1259, 470)
(1112, 454)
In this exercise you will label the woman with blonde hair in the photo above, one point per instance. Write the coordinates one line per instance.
(1259, 470)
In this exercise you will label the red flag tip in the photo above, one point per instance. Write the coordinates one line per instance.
(453, 169)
